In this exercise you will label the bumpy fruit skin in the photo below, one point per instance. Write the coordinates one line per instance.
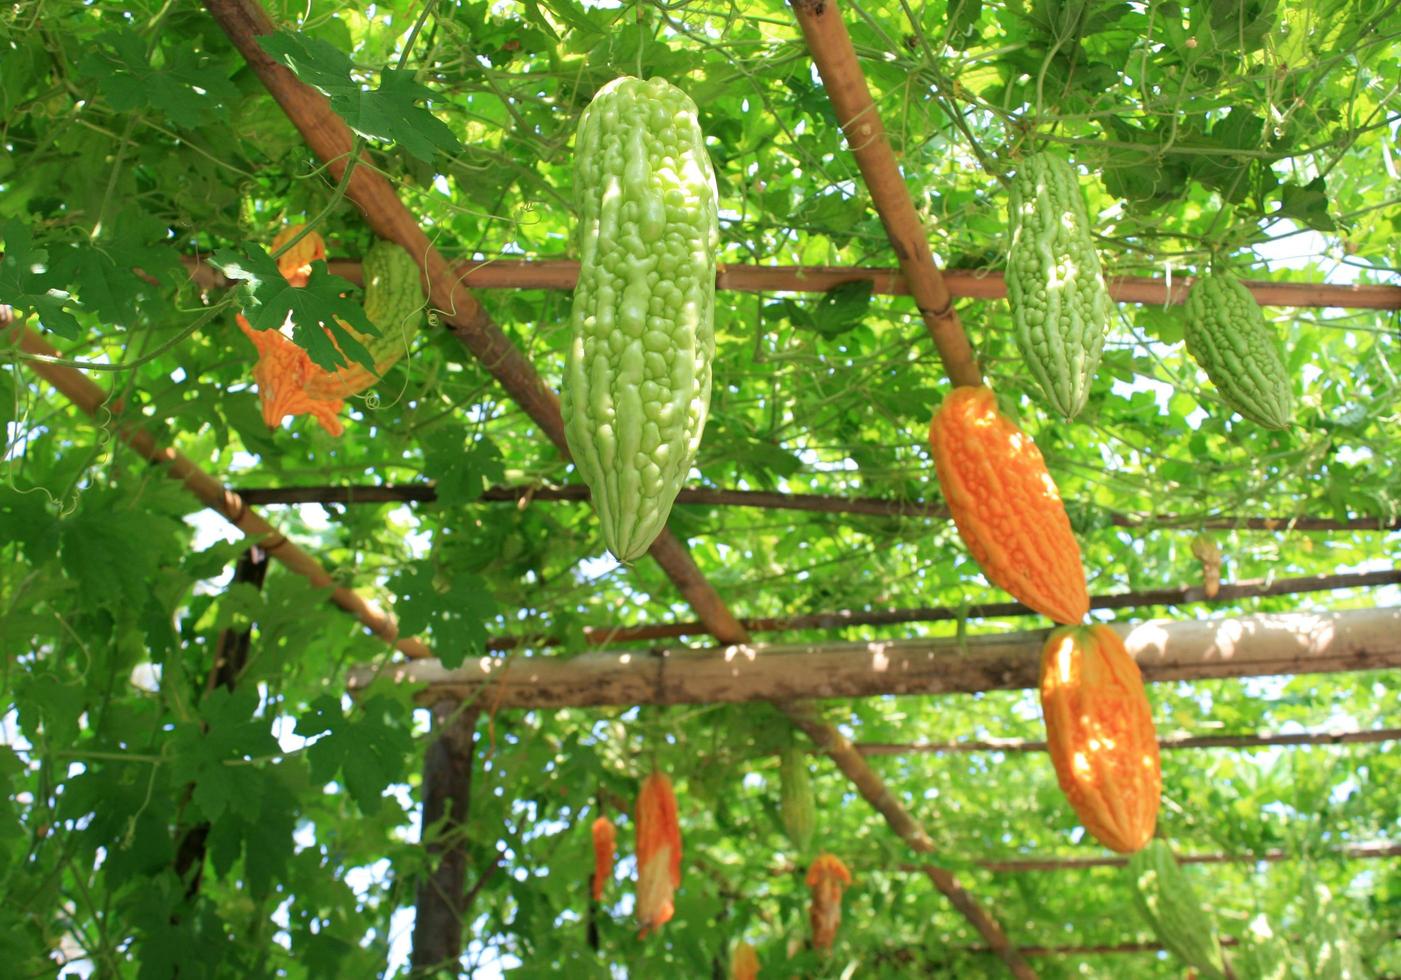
(1167, 902)
(827, 878)
(1006, 505)
(796, 804)
(1055, 287)
(1100, 735)
(1227, 335)
(394, 304)
(658, 851)
(638, 370)
(605, 837)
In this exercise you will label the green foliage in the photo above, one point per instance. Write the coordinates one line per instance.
(135, 136)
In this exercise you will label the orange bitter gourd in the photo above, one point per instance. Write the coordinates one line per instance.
(605, 837)
(658, 851)
(295, 263)
(1006, 506)
(827, 878)
(394, 304)
(1100, 735)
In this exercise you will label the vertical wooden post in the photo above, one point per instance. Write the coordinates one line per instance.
(447, 782)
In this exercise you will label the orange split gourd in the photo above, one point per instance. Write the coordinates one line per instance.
(1099, 731)
(1006, 506)
(827, 878)
(658, 852)
(744, 962)
(605, 838)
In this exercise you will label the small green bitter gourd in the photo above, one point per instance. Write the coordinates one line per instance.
(638, 369)
(1227, 335)
(1055, 286)
(797, 805)
(1168, 903)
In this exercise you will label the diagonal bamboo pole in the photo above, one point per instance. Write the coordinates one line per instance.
(244, 21)
(835, 58)
(89, 397)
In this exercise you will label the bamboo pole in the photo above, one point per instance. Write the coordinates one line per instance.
(562, 274)
(835, 58)
(1259, 645)
(1167, 743)
(773, 500)
(92, 400)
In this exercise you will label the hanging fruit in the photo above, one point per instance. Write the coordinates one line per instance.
(827, 878)
(1099, 731)
(796, 804)
(1168, 903)
(1006, 506)
(658, 852)
(744, 962)
(638, 370)
(295, 263)
(605, 839)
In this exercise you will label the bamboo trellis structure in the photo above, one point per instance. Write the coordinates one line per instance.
(244, 21)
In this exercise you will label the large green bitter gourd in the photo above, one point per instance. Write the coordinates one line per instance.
(638, 370)
(1055, 287)
(1227, 335)
(1167, 901)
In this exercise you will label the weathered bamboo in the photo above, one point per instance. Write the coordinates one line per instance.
(562, 274)
(845, 83)
(1260, 645)
(773, 500)
(1166, 743)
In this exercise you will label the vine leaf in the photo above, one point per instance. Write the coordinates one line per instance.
(389, 113)
(316, 309)
(458, 616)
(27, 284)
(369, 751)
(187, 91)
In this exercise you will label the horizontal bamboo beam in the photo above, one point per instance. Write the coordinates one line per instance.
(1260, 645)
(1353, 852)
(773, 500)
(1171, 743)
(562, 274)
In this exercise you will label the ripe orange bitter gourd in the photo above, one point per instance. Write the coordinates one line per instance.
(827, 878)
(295, 263)
(1099, 731)
(744, 962)
(605, 837)
(1006, 506)
(658, 852)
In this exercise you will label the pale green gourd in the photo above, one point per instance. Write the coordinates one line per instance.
(638, 370)
(1227, 335)
(1168, 903)
(1055, 288)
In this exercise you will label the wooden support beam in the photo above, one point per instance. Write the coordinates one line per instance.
(835, 58)
(562, 274)
(447, 785)
(1167, 744)
(1260, 645)
(772, 500)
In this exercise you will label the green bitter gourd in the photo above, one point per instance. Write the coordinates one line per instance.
(1227, 335)
(638, 369)
(1055, 287)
